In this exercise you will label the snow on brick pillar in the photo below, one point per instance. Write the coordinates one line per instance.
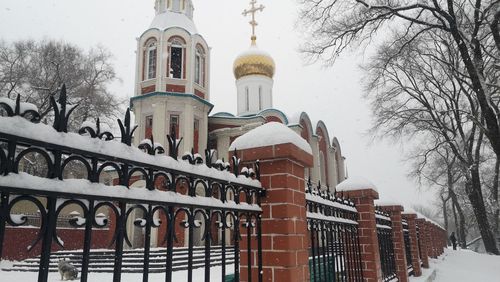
(411, 218)
(283, 155)
(363, 194)
(398, 240)
(422, 227)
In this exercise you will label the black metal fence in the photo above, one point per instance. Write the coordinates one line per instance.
(335, 253)
(386, 245)
(406, 235)
(419, 244)
(215, 202)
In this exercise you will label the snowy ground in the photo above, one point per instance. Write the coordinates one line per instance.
(463, 265)
(453, 266)
(198, 275)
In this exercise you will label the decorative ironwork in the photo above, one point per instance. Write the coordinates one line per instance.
(19, 109)
(406, 235)
(95, 132)
(386, 245)
(335, 253)
(419, 244)
(186, 196)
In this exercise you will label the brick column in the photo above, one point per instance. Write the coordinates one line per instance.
(398, 240)
(423, 242)
(415, 257)
(367, 230)
(429, 234)
(284, 224)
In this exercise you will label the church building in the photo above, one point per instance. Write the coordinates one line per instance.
(172, 92)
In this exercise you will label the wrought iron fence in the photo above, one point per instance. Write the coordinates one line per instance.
(406, 235)
(386, 245)
(189, 194)
(335, 253)
(419, 244)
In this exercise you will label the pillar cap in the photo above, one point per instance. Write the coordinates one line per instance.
(356, 183)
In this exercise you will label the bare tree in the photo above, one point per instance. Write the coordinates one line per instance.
(35, 71)
(439, 167)
(422, 91)
(470, 27)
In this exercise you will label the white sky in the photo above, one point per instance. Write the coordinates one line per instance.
(333, 94)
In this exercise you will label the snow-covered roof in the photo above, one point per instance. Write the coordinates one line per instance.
(169, 19)
(355, 183)
(269, 134)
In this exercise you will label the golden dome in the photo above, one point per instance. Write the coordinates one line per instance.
(253, 62)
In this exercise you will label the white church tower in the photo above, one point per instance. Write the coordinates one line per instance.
(254, 71)
(172, 78)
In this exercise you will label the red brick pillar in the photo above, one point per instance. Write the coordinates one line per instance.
(284, 224)
(415, 256)
(367, 230)
(423, 242)
(398, 240)
(430, 234)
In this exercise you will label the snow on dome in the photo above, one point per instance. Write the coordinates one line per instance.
(254, 61)
(169, 19)
(269, 134)
(355, 183)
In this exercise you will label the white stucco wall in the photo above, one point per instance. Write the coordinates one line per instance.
(253, 82)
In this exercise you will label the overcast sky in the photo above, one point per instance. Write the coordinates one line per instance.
(333, 94)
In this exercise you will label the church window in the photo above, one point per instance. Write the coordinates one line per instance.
(322, 167)
(176, 58)
(150, 59)
(174, 123)
(247, 99)
(260, 97)
(177, 5)
(149, 127)
(199, 76)
(196, 135)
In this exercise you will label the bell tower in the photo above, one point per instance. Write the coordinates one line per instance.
(172, 85)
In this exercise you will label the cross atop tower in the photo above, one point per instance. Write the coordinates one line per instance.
(252, 11)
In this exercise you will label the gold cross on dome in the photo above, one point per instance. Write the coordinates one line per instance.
(252, 11)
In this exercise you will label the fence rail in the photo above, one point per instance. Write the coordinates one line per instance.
(335, 253)
(188, 193)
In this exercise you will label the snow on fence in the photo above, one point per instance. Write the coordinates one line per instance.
(202, 197)
(334, 242)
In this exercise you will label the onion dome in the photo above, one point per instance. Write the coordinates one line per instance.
(253, 62)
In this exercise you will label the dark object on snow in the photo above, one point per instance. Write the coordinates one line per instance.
(453, 240)
(67, 270)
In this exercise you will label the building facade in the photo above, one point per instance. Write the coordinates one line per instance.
(172, 92)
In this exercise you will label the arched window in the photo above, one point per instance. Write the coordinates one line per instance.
(150, 59)
(322, 168)
(176, 58)
(199, 76)
(176, 5)
(247, 99)
(260, 98)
